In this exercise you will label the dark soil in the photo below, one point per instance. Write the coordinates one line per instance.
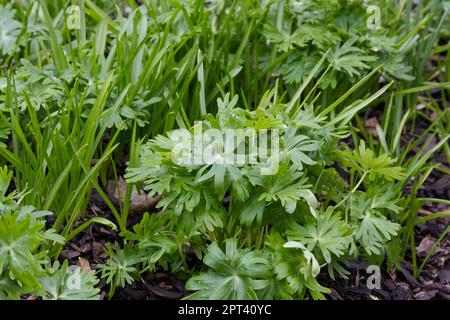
(433, 283)
(434, 280)
(87, 250)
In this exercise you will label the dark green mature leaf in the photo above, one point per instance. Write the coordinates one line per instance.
(288, 187)
(4, 131)
(121, 267)
(373, 229)
(350, 59)
(252, 210)
(235, 274)
(295, 269)
(283, 39)
(297, 68)
(19, 238)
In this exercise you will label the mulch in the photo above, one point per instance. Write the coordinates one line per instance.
(87, 251)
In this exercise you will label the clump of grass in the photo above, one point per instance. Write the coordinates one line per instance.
(76, 104)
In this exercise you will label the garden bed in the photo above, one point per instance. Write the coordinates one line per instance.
(226, 150)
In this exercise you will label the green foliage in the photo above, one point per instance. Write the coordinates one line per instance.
(234, 275)
(121, 267)
(22, 233)
(198, 189)
(150, 244)
(77, 106)
(307, 29)
(19, 239)
(24, 254)
(368, 210)
(305, 233)
(65, 283)
(9, 30)
(4, 132)
(328, 235)
(155, 240)
(364, 160)
(350, 59)
(295, 269)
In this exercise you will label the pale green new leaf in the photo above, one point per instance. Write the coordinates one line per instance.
(327, 235)
(64, 283)
(364, 160)
(9, 30)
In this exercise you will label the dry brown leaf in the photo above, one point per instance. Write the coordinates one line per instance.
(371, 126)
(420, 106)
(393, 273)
(84, 264)
(97, 248)
(424, 212)
(139, 201)
(425, 295)
(425, 245)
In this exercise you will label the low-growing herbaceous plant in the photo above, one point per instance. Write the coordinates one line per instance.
(236, 149)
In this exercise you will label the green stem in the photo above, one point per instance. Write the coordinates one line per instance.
(353, 190)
